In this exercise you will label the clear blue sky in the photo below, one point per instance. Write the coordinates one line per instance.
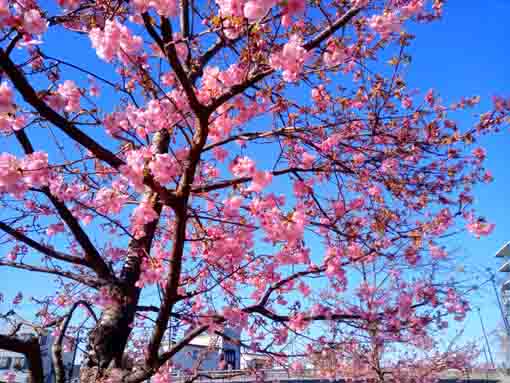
(467, 53)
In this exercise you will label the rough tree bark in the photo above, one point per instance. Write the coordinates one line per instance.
(110, 336)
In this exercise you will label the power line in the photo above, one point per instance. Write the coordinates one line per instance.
(486, 339)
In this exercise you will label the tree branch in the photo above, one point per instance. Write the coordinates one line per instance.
(165, 44)
(31, 97)
(148, 371)
(88, 281)
(32, 351)
(315, 42)
(242, 180)
(41, 248)
(92, 257)
(58, 363)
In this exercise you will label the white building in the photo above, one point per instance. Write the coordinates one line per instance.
(256, 361)
(16, 365)
(208, 353)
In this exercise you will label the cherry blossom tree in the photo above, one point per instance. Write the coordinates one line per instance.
(253, 164)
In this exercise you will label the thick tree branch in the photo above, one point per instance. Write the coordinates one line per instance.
(31, 97)
(42, 248)
(165, 44)
(28, 347)
(185, 28)
(170, 294)
(328, 32)
(92, 257)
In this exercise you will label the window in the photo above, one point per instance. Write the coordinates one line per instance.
(44, 339)
(5, 362)
(19, 363)
(230, 359)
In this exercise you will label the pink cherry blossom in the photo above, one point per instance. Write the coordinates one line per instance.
(142, 214)
(18, 298)
(94, 90)
(133, 171)
(16, 176)
(255, 9)
(69, 4)
(412, 8)
(389, 166)
(291, 59)
(35, 169)
(231, 7)
(293, 7)
(109, 201)
(34, 23)
(480, 228)
(307, 160)
(115, 40)
(165, 168)
(479, 153)
(243, 167)
(261, 179)
(6, 102)
(55, 228)
(9, 376)
(232, 205)
(385, 24)
(70, 93)
(335, 53)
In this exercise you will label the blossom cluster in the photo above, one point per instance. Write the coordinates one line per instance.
(18, 175)
(115, 41)
(166, 8)
(290, 59)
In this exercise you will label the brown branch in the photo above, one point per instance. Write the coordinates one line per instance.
(165, 44)
(263, 301)
(185, 28)
(148, 371)
(339, 23)
(170, 294)
(249, 136)
(241, 180)
(58, 363)
(88, 281)
(315, 42)
(171, 287)
(31, 97)
(42, 248)
(92, 257)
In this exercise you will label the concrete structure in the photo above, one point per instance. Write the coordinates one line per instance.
(504, 302)
(208, 352)
(15, 364)
(311, 376)
(256, 361)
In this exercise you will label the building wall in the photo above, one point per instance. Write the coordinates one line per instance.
(21, 376)
(208, 353)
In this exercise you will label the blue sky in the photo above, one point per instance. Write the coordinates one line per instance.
(464, 54)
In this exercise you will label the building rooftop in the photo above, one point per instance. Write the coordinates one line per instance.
(504, 251)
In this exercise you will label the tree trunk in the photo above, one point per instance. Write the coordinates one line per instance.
(109, 338)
